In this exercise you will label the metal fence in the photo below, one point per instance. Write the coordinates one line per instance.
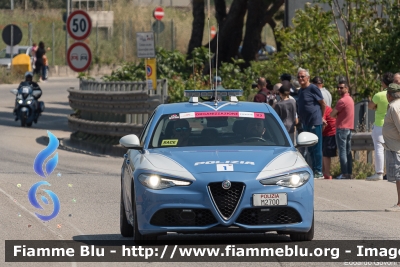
(109, 45)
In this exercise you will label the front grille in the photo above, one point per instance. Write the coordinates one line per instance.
(270, 215)
(183, 217)
(226, 200)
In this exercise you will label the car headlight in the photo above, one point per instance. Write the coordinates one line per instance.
(154, 181)
(294, 179)
(29, 102)
(20, 101)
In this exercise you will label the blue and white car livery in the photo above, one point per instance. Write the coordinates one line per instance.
(217, 166)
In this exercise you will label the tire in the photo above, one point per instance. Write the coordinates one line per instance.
(125, 228)
(137, 236)
(23, 120)
(307, 236)
(28, 124)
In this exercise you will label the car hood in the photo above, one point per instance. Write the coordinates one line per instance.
(251, 160)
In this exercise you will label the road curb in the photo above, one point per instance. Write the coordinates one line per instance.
(85, 147)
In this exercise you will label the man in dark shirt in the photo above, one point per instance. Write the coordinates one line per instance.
(264, 94)
(311, 108)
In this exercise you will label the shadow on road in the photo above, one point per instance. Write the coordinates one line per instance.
(191, 239)
(45, 122)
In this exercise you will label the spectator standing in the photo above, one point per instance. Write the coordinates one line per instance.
(325, 93)
(328, 142)
(276, 91)
(45, 68)
(39, 59)
(33, 53)
(286, 109)
(286, 79)
(344, 114)
(264, 94)
(379, 103)
(391, 136)
(311, 109)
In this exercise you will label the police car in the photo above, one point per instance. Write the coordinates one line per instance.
(216, 166)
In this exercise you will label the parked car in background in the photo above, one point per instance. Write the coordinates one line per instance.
(263, 53)
(5, 58)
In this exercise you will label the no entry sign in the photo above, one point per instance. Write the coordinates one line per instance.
(79, 57)
(213, 31)
(79, 25)
(158, 13)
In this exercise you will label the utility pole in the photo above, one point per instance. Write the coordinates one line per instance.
(12, 4)
(66, 35)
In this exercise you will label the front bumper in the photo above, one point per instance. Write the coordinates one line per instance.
(185, 205)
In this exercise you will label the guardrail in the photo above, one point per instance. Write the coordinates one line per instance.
(361, 142)
(114, 108)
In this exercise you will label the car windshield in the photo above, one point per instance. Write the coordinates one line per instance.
(230, 128)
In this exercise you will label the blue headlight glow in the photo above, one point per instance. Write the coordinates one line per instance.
(295, 179)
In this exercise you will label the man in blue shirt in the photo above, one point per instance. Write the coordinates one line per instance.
(311, 109)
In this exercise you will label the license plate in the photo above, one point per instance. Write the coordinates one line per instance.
(279, 199)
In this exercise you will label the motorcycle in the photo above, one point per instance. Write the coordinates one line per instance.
(27, 107)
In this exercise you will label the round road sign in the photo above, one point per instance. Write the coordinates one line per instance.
(213, 31)
(158, 13)
(149, 70)
(17, 34)
(79, 57)
(79, 25)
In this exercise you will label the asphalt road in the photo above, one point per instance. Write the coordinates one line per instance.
(89, 190)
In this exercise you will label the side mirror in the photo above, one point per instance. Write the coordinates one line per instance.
(306, 139)
(130, 141)
(36, 93)
(14, 91)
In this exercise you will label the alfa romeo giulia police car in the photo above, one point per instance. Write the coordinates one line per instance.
(216, 166)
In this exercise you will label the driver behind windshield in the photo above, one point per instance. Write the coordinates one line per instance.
(255, 129)
(181, 132)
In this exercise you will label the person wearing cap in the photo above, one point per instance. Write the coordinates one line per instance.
(218, 82)
(391, 136)
(287, 79)
(286, 110)
(344, 114)
(379, 104)
(325, 93)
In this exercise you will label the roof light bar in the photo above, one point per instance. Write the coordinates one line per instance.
(226, 92)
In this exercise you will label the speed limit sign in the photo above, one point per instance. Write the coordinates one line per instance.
(79, 25)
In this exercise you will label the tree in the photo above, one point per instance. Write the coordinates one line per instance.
(231, 24)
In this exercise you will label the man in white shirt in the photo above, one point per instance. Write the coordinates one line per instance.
(325, 93)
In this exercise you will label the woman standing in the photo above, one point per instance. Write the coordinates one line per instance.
(286, 109)
(39, 59)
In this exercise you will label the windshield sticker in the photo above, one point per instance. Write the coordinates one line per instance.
(226, 162)
(187, 115)
(224, 167)
(174, 117)
(169, 142)
(237, 114)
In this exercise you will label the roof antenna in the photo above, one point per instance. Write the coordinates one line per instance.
(209, 38)
(216, 68)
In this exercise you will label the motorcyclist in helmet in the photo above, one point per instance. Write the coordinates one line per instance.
(35, 87)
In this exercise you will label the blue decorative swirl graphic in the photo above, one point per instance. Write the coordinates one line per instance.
(35, 203)
(44, 154)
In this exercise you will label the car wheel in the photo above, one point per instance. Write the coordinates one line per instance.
(125, 228)
(137, 236)
(308, 236)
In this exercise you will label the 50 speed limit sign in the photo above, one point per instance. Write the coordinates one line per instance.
(79, 25)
